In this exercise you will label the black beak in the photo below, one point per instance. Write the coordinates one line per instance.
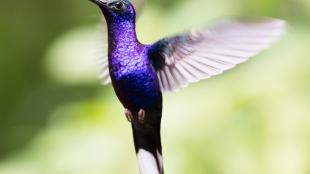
(99, 2)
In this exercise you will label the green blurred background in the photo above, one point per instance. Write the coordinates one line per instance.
(55, 118)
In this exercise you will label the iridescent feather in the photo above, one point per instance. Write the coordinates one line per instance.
(203, 53)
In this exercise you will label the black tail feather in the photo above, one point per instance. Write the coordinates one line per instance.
(150, 144)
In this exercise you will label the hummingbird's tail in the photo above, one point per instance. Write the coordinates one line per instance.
(149, 150)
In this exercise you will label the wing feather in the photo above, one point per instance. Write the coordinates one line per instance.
(203, 53)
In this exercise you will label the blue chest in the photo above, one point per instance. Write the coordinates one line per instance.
(134, 79)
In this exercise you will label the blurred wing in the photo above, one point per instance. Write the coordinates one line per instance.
(200, 54)
(104, 74)
(103, 62)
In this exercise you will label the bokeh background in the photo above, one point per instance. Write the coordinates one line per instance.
(56, 118)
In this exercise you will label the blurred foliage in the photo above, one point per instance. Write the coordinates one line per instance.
(55, 118)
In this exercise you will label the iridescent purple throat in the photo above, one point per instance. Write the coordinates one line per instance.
(133, 76)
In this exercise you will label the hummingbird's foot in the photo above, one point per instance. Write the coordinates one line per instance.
(141, 115)
(128, 115)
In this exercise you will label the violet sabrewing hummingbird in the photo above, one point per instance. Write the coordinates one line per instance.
(140, 72)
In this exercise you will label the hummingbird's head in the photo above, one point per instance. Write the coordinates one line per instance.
(116, 10)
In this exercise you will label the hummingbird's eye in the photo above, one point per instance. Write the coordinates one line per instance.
(118, 6)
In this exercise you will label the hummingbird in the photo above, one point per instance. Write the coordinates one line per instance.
(140, 73)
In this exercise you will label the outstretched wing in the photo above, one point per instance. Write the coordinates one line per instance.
(200, 54)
